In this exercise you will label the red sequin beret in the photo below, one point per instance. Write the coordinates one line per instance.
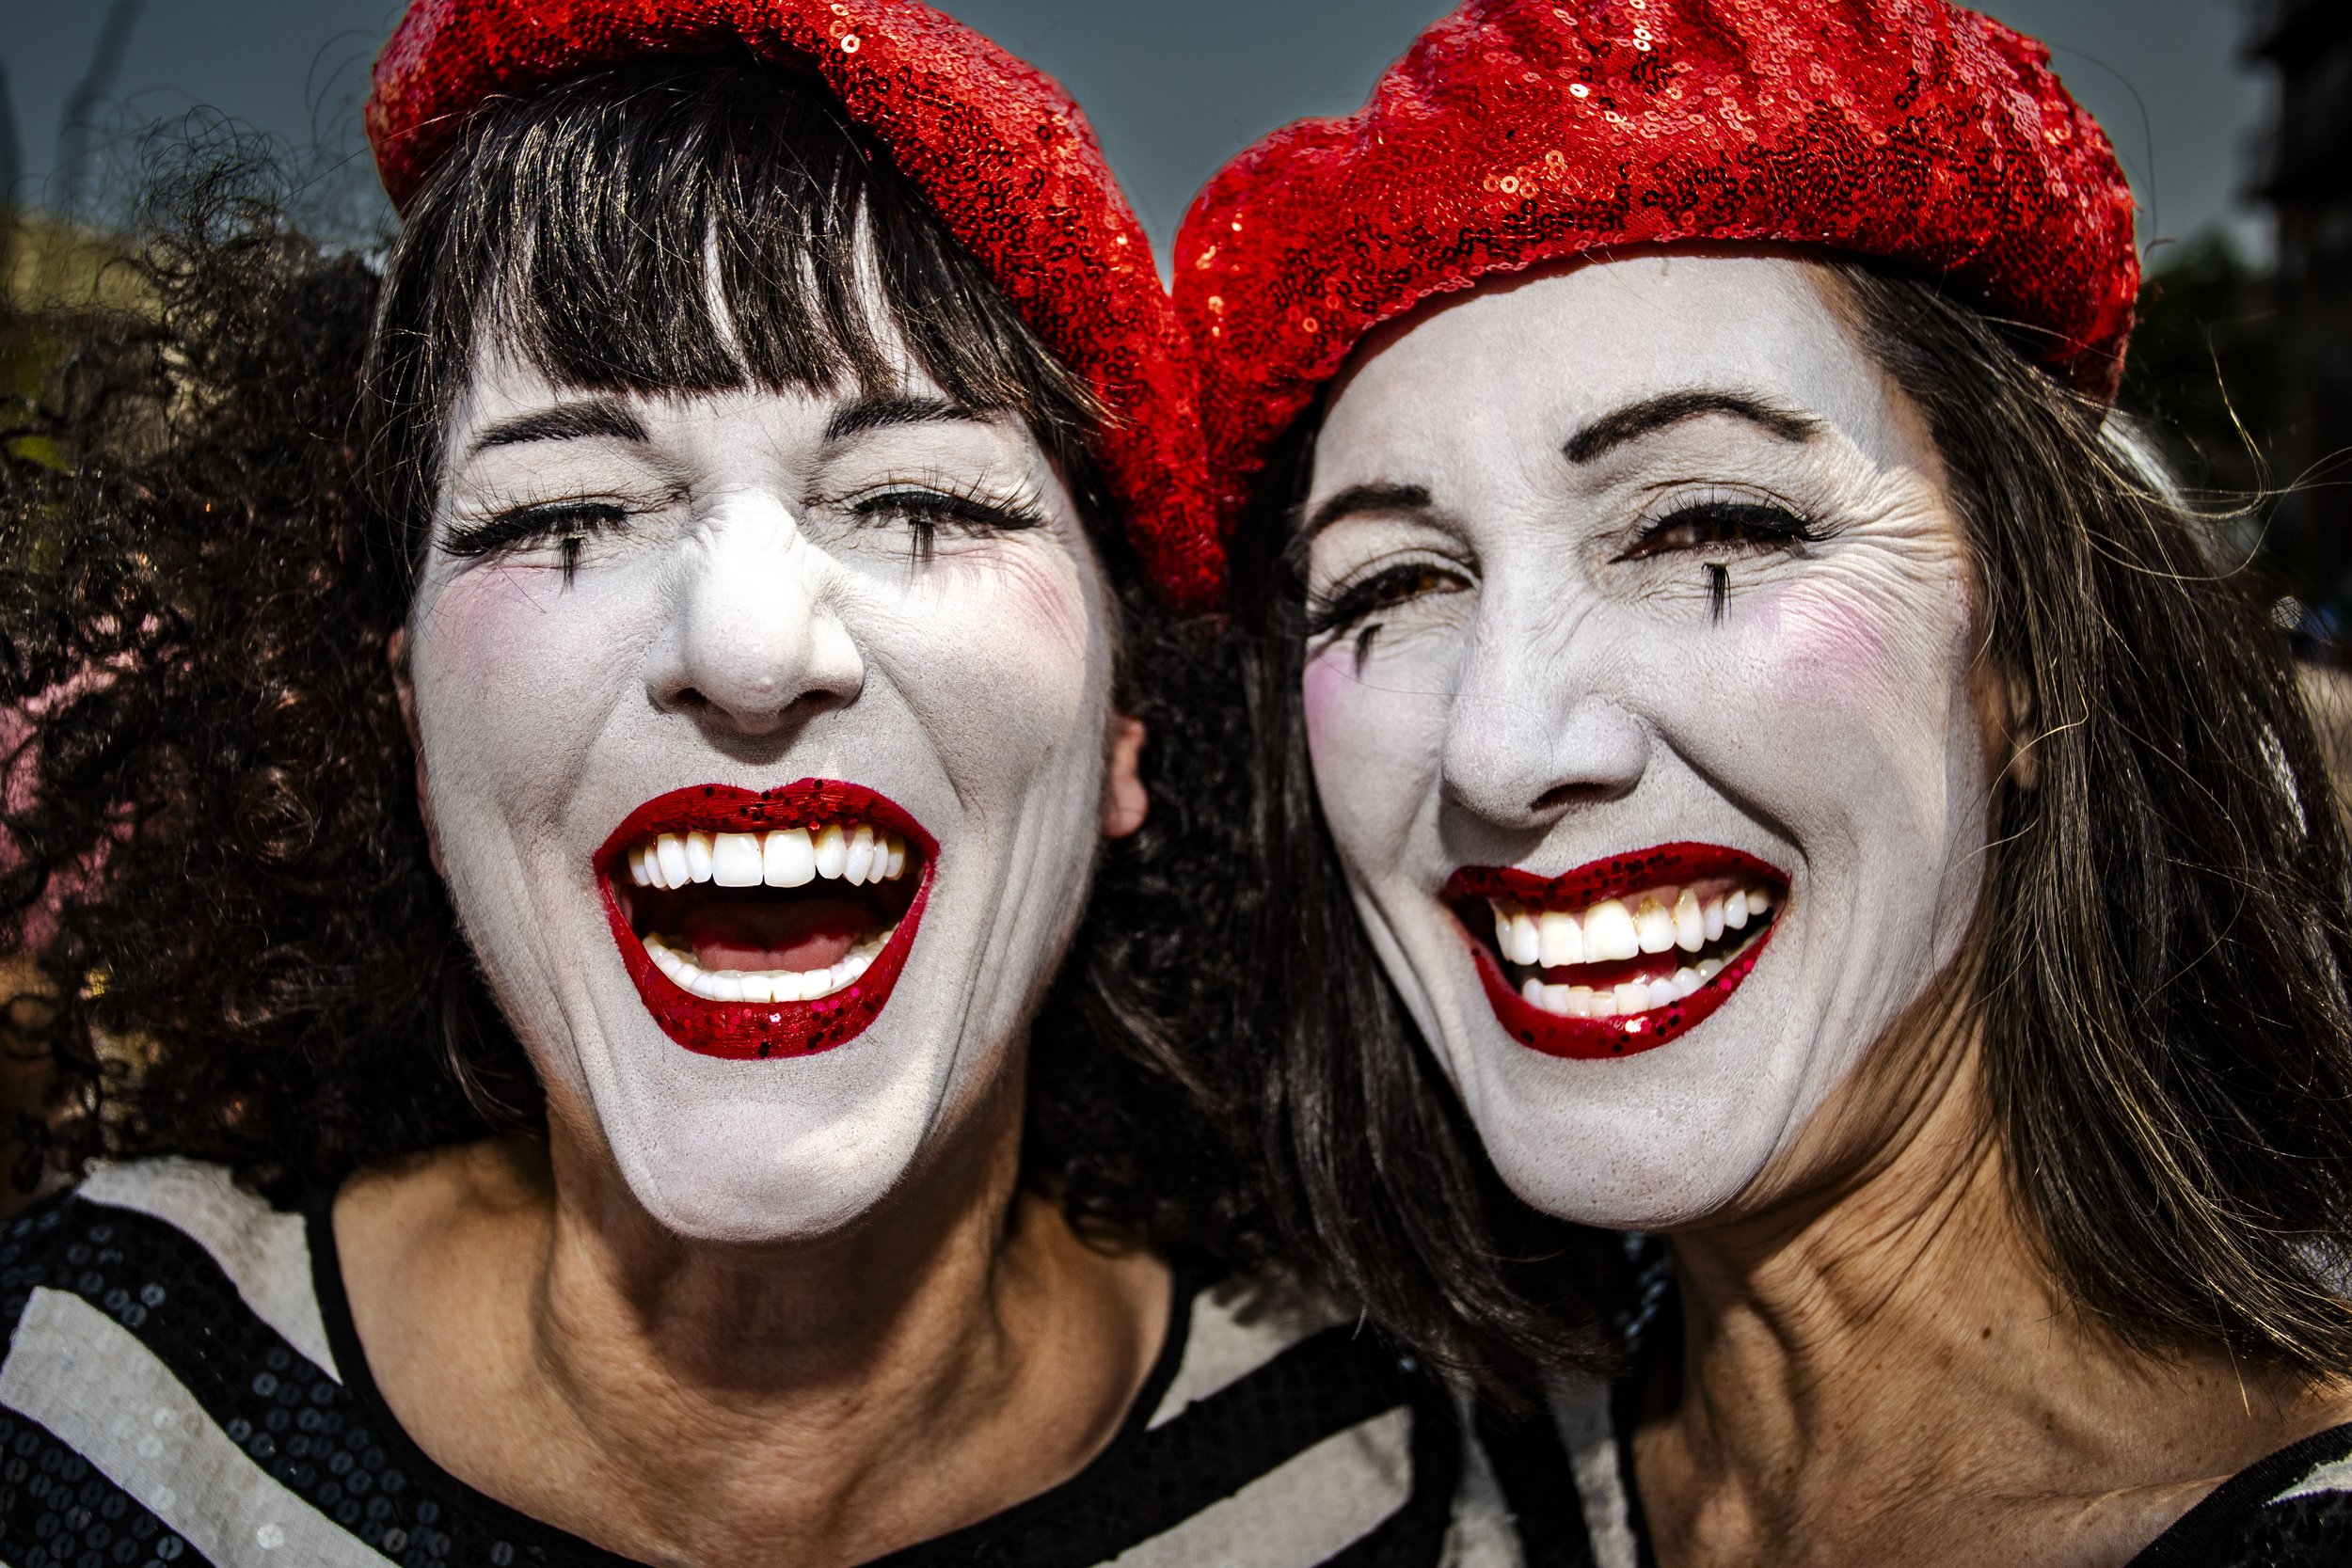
(1522, 131)
(1001, 151)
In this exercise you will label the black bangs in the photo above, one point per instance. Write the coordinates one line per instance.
(692, 227)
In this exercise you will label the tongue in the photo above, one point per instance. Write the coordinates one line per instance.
(806, 934)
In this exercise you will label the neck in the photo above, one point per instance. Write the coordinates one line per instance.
(783, 1322)
(825, 1401)
(1867, 1361)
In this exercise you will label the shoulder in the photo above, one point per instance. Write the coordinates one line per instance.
(1277, 1430)
(2292, 1510)
(2308, 1520)
(164, 1345)
(158, 1247)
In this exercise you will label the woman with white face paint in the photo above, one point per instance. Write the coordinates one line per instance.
(1763, 767)
(579, 957)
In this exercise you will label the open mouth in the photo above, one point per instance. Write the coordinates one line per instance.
(1623, 954)
(766, 923)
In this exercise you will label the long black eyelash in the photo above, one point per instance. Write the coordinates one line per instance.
(1359, 600)
(1759, 521)
(575, 521)
(924, 507)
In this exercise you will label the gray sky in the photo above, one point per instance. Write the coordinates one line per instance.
(1173, 88)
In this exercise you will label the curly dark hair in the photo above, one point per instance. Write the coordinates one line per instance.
(210, 521)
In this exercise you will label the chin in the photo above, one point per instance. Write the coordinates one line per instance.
(1660, 1185)
(752, 1173)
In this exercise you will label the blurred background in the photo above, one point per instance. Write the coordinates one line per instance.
(2233, 118)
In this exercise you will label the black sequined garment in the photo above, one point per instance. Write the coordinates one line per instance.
(183, 1385)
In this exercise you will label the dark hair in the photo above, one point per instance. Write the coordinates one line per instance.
(2166, 1037)
(211, 842)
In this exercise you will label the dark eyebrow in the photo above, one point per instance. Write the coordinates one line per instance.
(1637, 419)
(568, 421)
(1364, 497)
(882, 413)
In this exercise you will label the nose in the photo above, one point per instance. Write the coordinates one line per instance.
(755, 646)
(1533, 733)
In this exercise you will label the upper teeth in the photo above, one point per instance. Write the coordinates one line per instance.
(1652, 922)
(853, 853)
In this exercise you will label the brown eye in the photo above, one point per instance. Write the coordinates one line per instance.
(1713, 525)
(1384, 589)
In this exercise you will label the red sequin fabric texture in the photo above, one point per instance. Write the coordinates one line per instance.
(1516, 133)
(999, 147)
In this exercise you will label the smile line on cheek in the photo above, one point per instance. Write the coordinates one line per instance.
(766, 925)
(1620, 956)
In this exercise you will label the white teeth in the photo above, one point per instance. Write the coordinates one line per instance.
(861, 856)
(1655, 922)
(833, 850)
(1526, 936)
(735, 860)
(1562, 939)
(854, 852)
(782, 985)
(1610, 932)
(1690, 922)
(788, 860)
(1654, 925)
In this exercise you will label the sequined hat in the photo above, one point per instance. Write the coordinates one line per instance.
(1000, 149)
(1522, 131)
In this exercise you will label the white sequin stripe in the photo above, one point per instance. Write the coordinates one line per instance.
(2334, 1476)
(1580, 1408)
(1481, 1535)
(1317, 1504)
(1235, 1333)
(104, 1394)
(264, 1253)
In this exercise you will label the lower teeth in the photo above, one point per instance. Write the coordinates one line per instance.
(777, 985)
(1632, 996)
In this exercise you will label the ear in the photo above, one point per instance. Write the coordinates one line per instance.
(2005, 707)
(396, 654)
(1125, 802)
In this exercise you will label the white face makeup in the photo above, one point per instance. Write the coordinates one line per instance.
(1638, 596)
(656, 597)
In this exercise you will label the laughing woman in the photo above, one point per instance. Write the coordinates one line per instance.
(706, 1132)
(1762, 761)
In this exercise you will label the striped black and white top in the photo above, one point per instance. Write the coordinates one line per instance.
(183, 1385)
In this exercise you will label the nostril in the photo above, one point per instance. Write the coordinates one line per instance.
(1562, 797)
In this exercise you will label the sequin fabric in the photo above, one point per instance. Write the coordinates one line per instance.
(1516, 133)
(1001, 151)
